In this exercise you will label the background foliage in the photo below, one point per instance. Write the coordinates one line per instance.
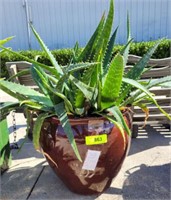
(63, 55)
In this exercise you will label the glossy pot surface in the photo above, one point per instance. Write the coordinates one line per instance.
(101, 162)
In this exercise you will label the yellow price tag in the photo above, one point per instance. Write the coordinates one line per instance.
(96, 139)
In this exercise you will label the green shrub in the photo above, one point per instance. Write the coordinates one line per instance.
(63, 55)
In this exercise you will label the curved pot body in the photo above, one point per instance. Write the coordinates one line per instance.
(109, 155)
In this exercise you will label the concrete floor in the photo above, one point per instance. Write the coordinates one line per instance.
(145, 173)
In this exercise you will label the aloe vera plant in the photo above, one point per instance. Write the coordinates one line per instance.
(93, 83)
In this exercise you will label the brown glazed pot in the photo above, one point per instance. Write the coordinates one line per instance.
(55, 144)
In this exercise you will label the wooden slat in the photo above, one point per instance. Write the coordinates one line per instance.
(154, 110)
(161, 91)
(152, 62)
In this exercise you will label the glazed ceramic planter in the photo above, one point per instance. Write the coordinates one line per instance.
(101, 162)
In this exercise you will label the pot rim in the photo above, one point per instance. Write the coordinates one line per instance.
(77, 121)
(80, 120)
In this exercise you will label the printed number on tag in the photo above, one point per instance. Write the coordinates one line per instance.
(96, 139)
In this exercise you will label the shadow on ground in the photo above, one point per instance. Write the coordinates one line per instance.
(39, 182)
(144, 182)
(18, 181)
(148, 183)
(150, 137)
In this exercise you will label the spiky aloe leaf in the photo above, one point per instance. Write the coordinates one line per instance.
(109, 51)
(22, 93)
(2, 42)
(87, 52)
(86, 90)
(112, 83)
(143, 89)
(75, 53)
(166, 85)
(125, 50)
(80, 66)
(61, 96)
(21, 73)
(86, 78)
(160, 81)
(37, 129)
(108, 27)
(62, 115)
(48, 68)
(103, 40)
(119, 117)
(113, 120)
(136, 71)
(58, 71)
(39, 77)
(96, 50)
(138, 94)
(6, 107)
(36, 106)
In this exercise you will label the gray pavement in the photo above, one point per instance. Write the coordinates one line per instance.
(145, 173)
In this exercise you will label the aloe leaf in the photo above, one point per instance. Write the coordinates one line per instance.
(47, 88)
(48, 53)
(119, 117)
(128, 27)
(166, 85)
(86, 79)
(6, 107)
(37, 129)
(110, 118)
(136, 71)
(138, 94)
(75, 53)
(160, 81)
(112, 83)
(103, 40)
(108, 27)
(9, 91)
(21, 73)
(86, 90)
(62, 115)
(48, 68)
(36, 105)
(61, 96)
(87, 52)
(109, 51)
(80, 66)
(39, 77)
(125, 50)
(143, 89)
(2, 42)
(22, 92)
